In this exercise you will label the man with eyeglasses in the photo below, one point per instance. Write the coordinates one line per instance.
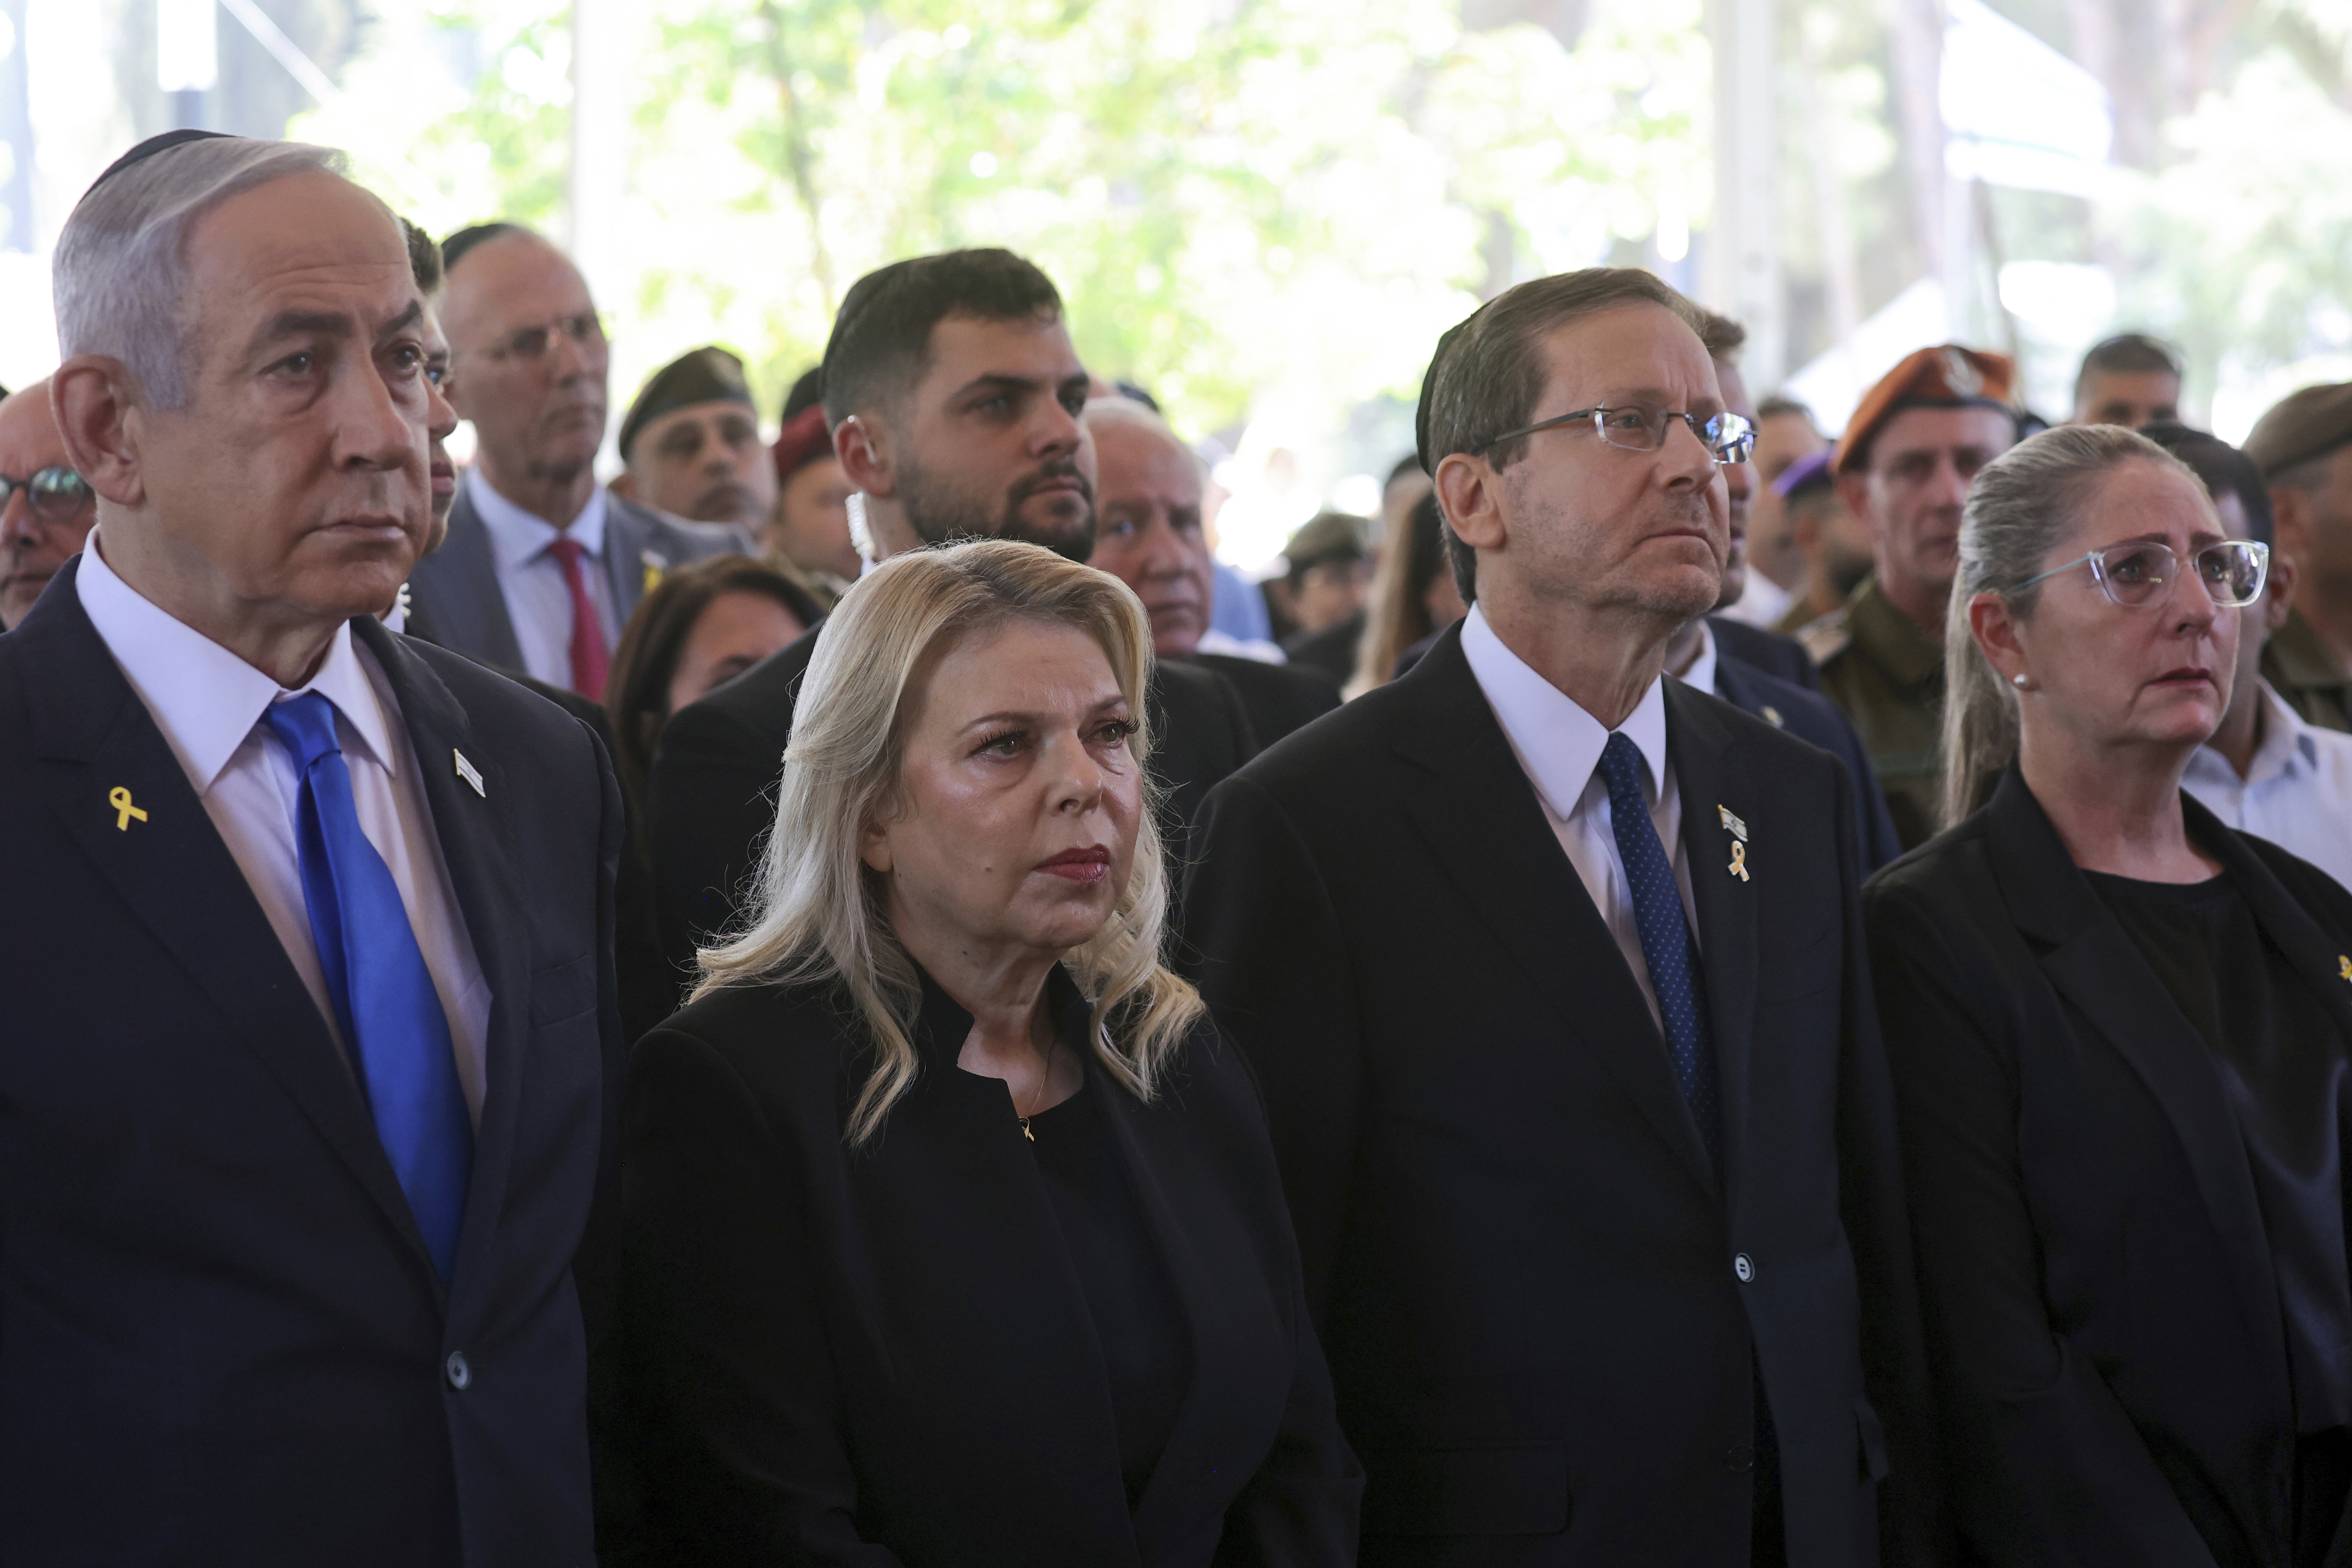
(541, 566)
(48, 508)
(691, 441)
(1904, 466)
(1551, 971)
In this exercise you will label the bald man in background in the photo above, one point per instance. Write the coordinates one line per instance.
(541, 565)
(49, 507)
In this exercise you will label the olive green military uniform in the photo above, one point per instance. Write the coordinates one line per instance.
(2300, 667)
(1888, 677)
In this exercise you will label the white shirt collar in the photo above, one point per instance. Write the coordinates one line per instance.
(1700, 676)
(1559, 743)
(204, 698)
(518, 537)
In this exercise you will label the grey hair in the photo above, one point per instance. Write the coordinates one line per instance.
(2021, 506)
(121, 267)
(1121, 409)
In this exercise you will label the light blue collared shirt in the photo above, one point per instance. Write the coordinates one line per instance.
(531, 579)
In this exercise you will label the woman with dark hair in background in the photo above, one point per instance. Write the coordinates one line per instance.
(1413, 598)
(2121, 1036)
(705, 625)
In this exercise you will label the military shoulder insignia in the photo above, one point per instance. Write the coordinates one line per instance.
(1826, 637)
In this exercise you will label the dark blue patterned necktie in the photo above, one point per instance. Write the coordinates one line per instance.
(383, 994)
(1668, 946)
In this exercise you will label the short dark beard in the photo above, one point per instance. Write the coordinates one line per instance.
(939, 515)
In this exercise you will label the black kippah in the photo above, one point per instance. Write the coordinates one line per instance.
(153, 146)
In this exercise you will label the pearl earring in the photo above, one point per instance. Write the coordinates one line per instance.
(2019, 680)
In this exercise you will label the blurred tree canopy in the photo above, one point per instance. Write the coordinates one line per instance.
(1234, 196)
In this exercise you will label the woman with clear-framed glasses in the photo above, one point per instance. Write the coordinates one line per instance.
(2121, 1036)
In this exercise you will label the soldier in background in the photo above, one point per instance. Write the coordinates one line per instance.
(1904, 467)
(2304, 447)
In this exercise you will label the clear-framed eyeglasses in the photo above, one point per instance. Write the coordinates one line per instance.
(2141, 573)
(1728, 437)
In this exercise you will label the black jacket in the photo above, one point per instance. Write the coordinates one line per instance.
(883, 1357)
(1810, 716)
(716, 769)
(1543, 1308)
(221, 1338)
(1770, 651)
(2104, 1317)
(1278, 698)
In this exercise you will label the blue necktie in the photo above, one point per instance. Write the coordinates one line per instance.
(383, 994)
(1668, 946)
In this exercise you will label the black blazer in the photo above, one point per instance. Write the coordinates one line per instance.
(1278, 698)
(716, 769)
(1768, 651)
(2103, 1311)
(221, 1338)
(883, 1357)
(1543, 1308)
(1810, 716)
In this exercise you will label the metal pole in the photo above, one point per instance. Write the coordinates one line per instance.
(1743, 261)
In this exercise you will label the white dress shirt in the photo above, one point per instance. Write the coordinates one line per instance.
(1559, 746)
(2297, 793)
(531, 579)
(209, 704)
(1701, 673)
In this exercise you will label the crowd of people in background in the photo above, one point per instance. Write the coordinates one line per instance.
(1693, 990)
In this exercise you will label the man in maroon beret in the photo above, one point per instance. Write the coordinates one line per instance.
(809, 532)
(1904, 467)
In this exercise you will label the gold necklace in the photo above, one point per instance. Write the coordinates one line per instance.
(1044, 1080)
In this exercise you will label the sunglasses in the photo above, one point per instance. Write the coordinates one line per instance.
(54, 494)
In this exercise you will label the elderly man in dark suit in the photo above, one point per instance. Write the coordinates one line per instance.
(541, 566)
(1552, 972)
(954, 396)
(311, 1034)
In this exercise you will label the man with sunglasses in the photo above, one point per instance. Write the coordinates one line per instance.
(48, 508)
(1551, 971)
(1904, 467)
(541, 566)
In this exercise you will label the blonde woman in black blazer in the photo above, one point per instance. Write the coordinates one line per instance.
(2122, 1042)
(951, 1230)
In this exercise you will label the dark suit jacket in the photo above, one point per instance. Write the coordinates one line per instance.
(716, 769)
(1278, 698)
(1775, 655)
(1810, 717)
(883, 1357)
(456, 599)
(2103, 1310)
(221, 1338)
(1524, 1267)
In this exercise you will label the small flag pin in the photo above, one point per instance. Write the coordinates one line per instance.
(469, 773)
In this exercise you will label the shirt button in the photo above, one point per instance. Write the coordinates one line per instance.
(1743, 1266)
(1740, 1459)
(458, 1373)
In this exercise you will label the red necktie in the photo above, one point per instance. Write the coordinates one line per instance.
(590, 659)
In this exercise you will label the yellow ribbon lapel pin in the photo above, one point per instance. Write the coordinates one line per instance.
(124, 811)
(1738, 831)
(2344, 966)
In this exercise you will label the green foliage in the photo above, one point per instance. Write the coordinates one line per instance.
(1234, 196)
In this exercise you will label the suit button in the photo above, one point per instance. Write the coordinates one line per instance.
(458, 1373)
(1743, 1266)
(1740, 1459)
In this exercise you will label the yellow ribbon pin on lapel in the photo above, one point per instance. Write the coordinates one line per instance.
(1739, 866)
(120, 798)
(2344, 966)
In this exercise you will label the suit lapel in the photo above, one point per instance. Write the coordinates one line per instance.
(1489, 832)
(458, 586)
(1699, 746)
(177, 877)
(483, 873)
(627, 559)
(2094, 964)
